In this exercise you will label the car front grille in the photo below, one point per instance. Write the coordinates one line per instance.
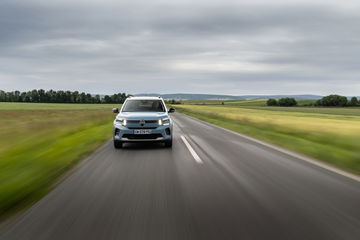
(146, 127)
(138, 121)
(142, 136)
(148, 124)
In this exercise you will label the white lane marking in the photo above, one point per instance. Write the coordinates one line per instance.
(299, 156)
(191, 150)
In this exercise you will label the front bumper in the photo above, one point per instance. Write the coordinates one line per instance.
(159, 134)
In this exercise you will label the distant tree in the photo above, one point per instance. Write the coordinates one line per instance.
(10, 97)
(2, 96)
(287, 102)
(50, 96)
(354, 101)
(22, 96)
(88, 98)
(271, 102)
(17, 96)
(34, 95)
(97, 99)
(42, 96)
(27, 97)
(82, 97)
(332, 101)
(68, 97)
(172, 101)
(60, 96)
(107, 99)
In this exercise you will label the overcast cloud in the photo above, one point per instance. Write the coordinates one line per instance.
(223, 47)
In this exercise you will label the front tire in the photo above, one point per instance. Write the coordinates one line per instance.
(168, 144)
(118, 144)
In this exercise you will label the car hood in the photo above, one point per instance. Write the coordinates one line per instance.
(142, 115)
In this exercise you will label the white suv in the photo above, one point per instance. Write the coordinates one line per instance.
(143, 119)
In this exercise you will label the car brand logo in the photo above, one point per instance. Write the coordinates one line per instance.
(142, 122)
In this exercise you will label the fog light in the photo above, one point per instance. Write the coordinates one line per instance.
(167, 131)
(117, 132)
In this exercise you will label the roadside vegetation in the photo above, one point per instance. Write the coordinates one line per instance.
(52, 96)
(337, 101)
(328, 134)
(327, 101)
(39, 142)
(54, 106)
(282, 102)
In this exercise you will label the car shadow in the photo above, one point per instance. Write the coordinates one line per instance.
(143, 146)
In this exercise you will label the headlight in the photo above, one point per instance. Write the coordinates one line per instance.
(121, 121)
(164, 122)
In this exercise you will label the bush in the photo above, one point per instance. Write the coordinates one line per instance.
(287, 102)
(354, 101)
(272, 102)
(332, 101)
(172, 101)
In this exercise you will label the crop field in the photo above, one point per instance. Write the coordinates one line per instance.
(39, 142)
(328, 134)
(345, 111)
(260, 102)
(248, 103)
(53, 106)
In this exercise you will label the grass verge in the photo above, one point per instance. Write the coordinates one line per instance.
(334, 139)
(38, 146)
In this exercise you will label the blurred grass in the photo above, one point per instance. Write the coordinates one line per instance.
(260, 104)
(53, 106)
(350, 111)
(331, 135)
(39, 145)
(257, 102)
(253, 102)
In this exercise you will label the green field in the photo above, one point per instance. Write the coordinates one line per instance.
(328, 134)
(248, 103)
(53, 106)
(260, 102)
(39, 142)
(345, 111)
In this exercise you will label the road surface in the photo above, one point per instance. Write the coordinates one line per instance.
(213, 184)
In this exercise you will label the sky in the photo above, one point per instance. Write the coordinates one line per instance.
(181, 46)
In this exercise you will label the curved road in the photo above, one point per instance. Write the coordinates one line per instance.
(213, 184)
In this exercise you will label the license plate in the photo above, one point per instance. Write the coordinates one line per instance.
(142, 131)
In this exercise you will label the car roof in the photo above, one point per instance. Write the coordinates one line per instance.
(145, 98)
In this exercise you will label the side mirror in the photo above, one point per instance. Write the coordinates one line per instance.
(115, 110)
(171, 110)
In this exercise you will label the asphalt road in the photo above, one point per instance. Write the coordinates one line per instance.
(212, 184)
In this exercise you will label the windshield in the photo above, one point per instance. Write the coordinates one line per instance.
(143, 106)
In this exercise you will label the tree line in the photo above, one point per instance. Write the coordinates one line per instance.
(327, 101)
(52, 96)
(172, 101)
(337, 101)
(283, 102)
